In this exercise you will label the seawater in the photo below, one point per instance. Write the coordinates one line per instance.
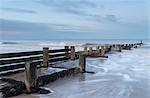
(124, 74)
(8, 46)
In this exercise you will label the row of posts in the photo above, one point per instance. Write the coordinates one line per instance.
(30, 69)
(68, 54)
(101, 50)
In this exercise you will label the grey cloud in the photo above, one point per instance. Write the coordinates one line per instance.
(21, 26)
(101, 18)
(18, 10)
(28, 27)
(111, 18)
(67, 3)
(76, 7)
(68, 6)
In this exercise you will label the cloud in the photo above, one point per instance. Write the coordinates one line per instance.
(101, 18)
(79, 8)
(21, 26)
(67, 3)
(111, 18)
(34, 28)
(18, 10)
(75, 7)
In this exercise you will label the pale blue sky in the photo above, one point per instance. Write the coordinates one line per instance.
(74, 19)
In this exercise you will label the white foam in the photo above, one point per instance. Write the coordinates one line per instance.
(44, 95)
(127, 77)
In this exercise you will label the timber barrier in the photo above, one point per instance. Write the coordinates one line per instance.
(30, 62)
(15, 62)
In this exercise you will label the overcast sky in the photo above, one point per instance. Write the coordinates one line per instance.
(74, 19)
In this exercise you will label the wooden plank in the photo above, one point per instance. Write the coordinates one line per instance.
(16, 66)
(19, 54)
(56, 55)
(12, 72)
(19, 60)
(58, 50)
(11, 67)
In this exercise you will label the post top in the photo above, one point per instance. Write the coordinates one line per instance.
(45, 48)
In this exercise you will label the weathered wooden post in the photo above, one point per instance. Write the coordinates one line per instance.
(72, 54)
(113, 45)
(109, 47)
(129, 46)
(30, 76)
(82, 63)
(90, 50)
(98, 50)
(135, 45)
(67, 52)
(141, 43)
(45, 56)
(119, 48)
(85, 50)
(102, 50)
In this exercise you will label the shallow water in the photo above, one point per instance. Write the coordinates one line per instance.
(122, 75)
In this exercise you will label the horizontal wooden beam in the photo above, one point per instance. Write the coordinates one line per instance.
(20, 54)
(56, 55)
(19, 60)
(58, 50)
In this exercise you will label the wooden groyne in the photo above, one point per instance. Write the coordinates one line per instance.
(42, 67)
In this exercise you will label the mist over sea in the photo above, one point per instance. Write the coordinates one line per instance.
(124, 74)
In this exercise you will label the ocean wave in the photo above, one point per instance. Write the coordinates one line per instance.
(9, 43)
(57, 44)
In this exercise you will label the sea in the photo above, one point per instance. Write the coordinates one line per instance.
(124, 74)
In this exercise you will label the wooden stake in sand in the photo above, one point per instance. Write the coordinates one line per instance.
(72, 53)
(30, 76)
(102, 51)
(90, 50)
(67, 52)
(85, 50)
(82, 63)
(45, 56)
